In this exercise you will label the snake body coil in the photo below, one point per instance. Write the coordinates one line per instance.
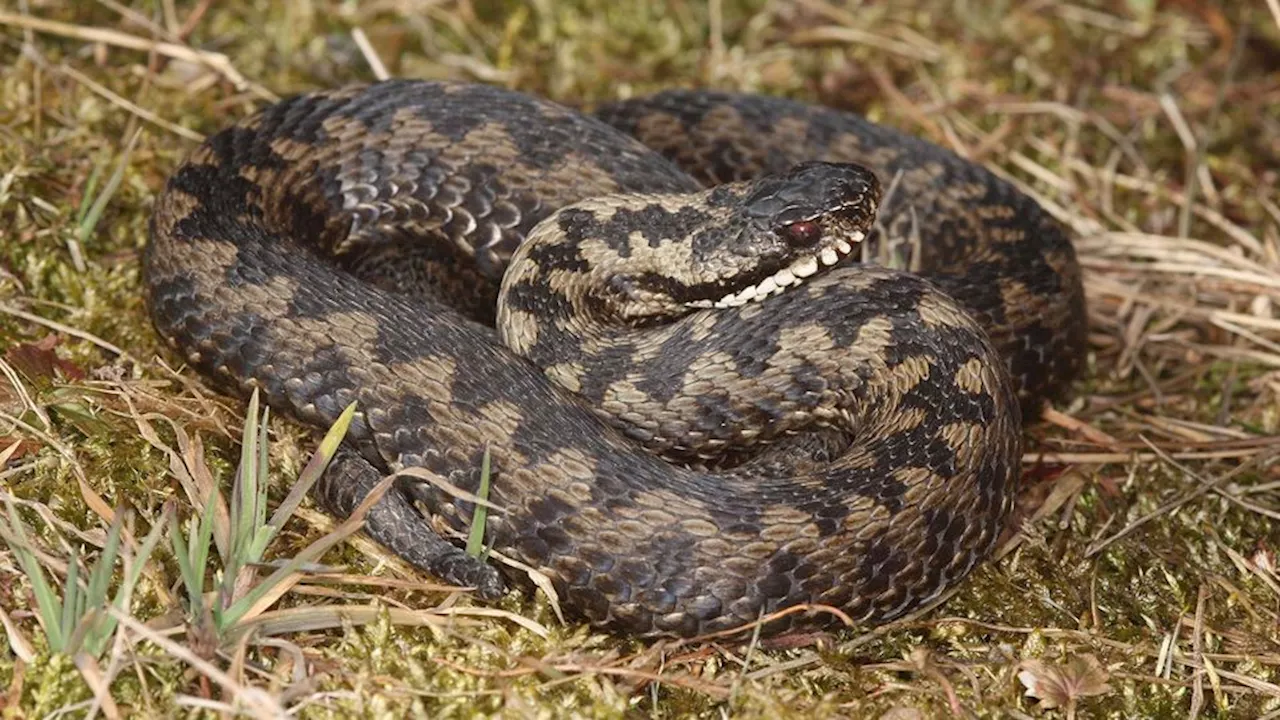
(700, 407)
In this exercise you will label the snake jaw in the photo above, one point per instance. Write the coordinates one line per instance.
(803, 221)
(788, 277)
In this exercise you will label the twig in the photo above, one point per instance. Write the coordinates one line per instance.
(370, 55)
(1202, 488)
(217, 62)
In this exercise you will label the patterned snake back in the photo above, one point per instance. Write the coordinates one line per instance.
(699, 405)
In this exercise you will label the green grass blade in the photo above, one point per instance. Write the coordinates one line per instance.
(72, 600)
(308, 554)
(315, 467)
(89, 219)
(180, 554)
(260, 485)
(47, 601)
(82, 636)
(145, 550)
(310, 474)
(86, 200)
(475, 536)
(246, 481)
(244, 491)
(104, 624)
(100, 576)
(202, 548)
(191, 559)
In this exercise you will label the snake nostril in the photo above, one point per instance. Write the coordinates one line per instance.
(802, 234)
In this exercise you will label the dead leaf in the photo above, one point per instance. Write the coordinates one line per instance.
(1063, 685)
(38, 360)
(13, 448)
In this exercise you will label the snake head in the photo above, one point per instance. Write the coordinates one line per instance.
(799, 223)
(760, 238)
(638, 259)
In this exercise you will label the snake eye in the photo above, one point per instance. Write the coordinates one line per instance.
(802, 234)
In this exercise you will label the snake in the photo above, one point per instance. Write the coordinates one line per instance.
(665, 332)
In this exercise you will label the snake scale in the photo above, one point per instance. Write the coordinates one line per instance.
(702, 402)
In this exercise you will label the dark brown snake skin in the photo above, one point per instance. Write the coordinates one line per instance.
(853, 439)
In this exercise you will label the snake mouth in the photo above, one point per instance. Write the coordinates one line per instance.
(788, 277)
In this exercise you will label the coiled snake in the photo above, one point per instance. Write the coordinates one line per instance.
(703, 405)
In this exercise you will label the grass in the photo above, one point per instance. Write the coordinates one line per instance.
(75, 621)
(1140, 580)
(243, 532)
